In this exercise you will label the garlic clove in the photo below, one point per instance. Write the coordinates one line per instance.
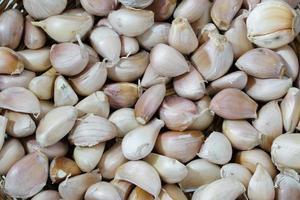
(130, 45)
(47, 195)
(139, 194)
(55, 125)
(64, 94)
(11, 62)
(136, 3)
(124, 188)
(287, 186)
(34, 38)
(20, 80)
(197, 194)
(3, 123)
(99, 8)
(233, 104)
(32, 170)
(206, 32)
(236, 171)
(151, 78)
(163, 9)
(102, 190)
(172, 192)
(200, 23)
(36, 60)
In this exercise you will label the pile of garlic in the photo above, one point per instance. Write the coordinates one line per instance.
(150, 99)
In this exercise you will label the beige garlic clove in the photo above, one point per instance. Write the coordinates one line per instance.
(19, 124)
(42, 86)
(287, 186)
(130, 46)
(102, 190)
(32, 170)
(93, 55)
(169, 169)
(11, 152)
(34, 37)
(163, 9)
(216, 149)
(136, 3)
(251, 158)
(261, 185)
(151, 78)
(99, 8)
(11, 62)
(291, 61)
(275, 31)
(96, 103)
(236, 80)
(241, 134)
(75, 187)
(267, 89)
(130, 68)
(64, 95)
(111, 160)
(200, 172)
(47, 195)
(55, 125)
(171, 192)
(19, 99)
(37, 60)
(135, 145)
(236, 171)
(182, 146)
(45, 106)
(90, 80)
(123, 187)
(134, 172)
(87, 158)
(261, 63)
(149, 102)
(122, 94)
(62, 27)
(131, 22)
(61, 168)
(11, 28)
(233, 104)
(167, 61)
(222, 12)
(139, 194)
(20, 80)
(156, 34)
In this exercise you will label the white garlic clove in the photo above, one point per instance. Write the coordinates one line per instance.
(11, 62)
(102, 190)
(64, 95)
(99, 8)
(47, 195)
(236, 171)
(37, 60)
(20, 80)
(130, 45)
(34, 37)
(291, 61)
(151, 78)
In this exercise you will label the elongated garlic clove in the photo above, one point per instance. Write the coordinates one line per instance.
(233, 104)
(11, 62)
(123, 187)
(163, 9)
(37, 60)
(151, 78)
(291, 61)
(47, 195)
(182, 146)
(34, 38)
(87, 158)
(130, 45)
(32, 170)
(131, 22)
(20, 80)
(139, 194)
(51, 130)
(287, 186)
(241, 134)
(236, 171)
(134, 172)
(64, 94)
(99, 8)
(102, 190)
(136, 3)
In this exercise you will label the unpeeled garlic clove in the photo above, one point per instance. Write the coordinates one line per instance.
(11, 62)
(261, 185)
(10, 153)
(200, 172)
(32, 170)
(130, 45)
(75, 187)
(61, 168)
(134, 172)
(222, 12)
(269, 123)
(87, 158)
(136, 3)
(102, 190)
(216, 149)
(182, 146)
(123, 187)
(11, 28)
(20, 80)
(47, 195)
(287, 186)
(55, 125)
(99, 8)
(135, 145)
(267, 89)
(34, 38)
(64, 94)
(291, 61)
(134, 22)
(167, 61)
(163, 164)
(19, 99)
(241, 134)
(233, 104)
(236, 171)
(139, 194)
(151, 78)
(37, 60)
(163, 9)
(172, 192)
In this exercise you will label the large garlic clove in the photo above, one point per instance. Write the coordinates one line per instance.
(102, 190)
(151, 78)
(163, 9)
(64, 94)
(136, 3)
(47, 195)
(36, 60)
(123, 187)
(11, 62)
(236, 171)
(55, 125)
(20, 80)
(130, 46)
(287, 186)
(99, 8)
(32, 170)
(34, 37)
(291, 60)
(139, 194)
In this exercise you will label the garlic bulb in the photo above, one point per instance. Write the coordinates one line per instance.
(163, 9)
(34, 37)
(11, 62)
(36, 60)
(21, 80)
(236, 171)
(99, 8)
(102, 190)
(64, 95)
(136, 3)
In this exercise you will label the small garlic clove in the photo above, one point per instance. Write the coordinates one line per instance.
(10, 153)
(55, 125)
(3, 123)
(236, 171)
(61, 168)
(241, 134)
(32, 170)
(267, 89)
(11, 28)
(102, 190)
(19, 99)
(34, 38)
(169, 169)
(171, 192)
(269, 123)
(131, 22)
(151, 78)
(182, 146)
(134, 172)
(47, 195)
(99, 8)
(287, 186)
(123, 187)
(130, 45)
(233, 104)
(136, 3)
(11, 62)
(149, 102)
(20, 80)
(261, 185)
(167, 61)
(87, 158)
(216, 149)
(135, 145)
(45, 106)
(163, 9)
(37, 60)
(64, 94)
(75, 187)
(96, 103)
(200, 172)
(139, 194)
